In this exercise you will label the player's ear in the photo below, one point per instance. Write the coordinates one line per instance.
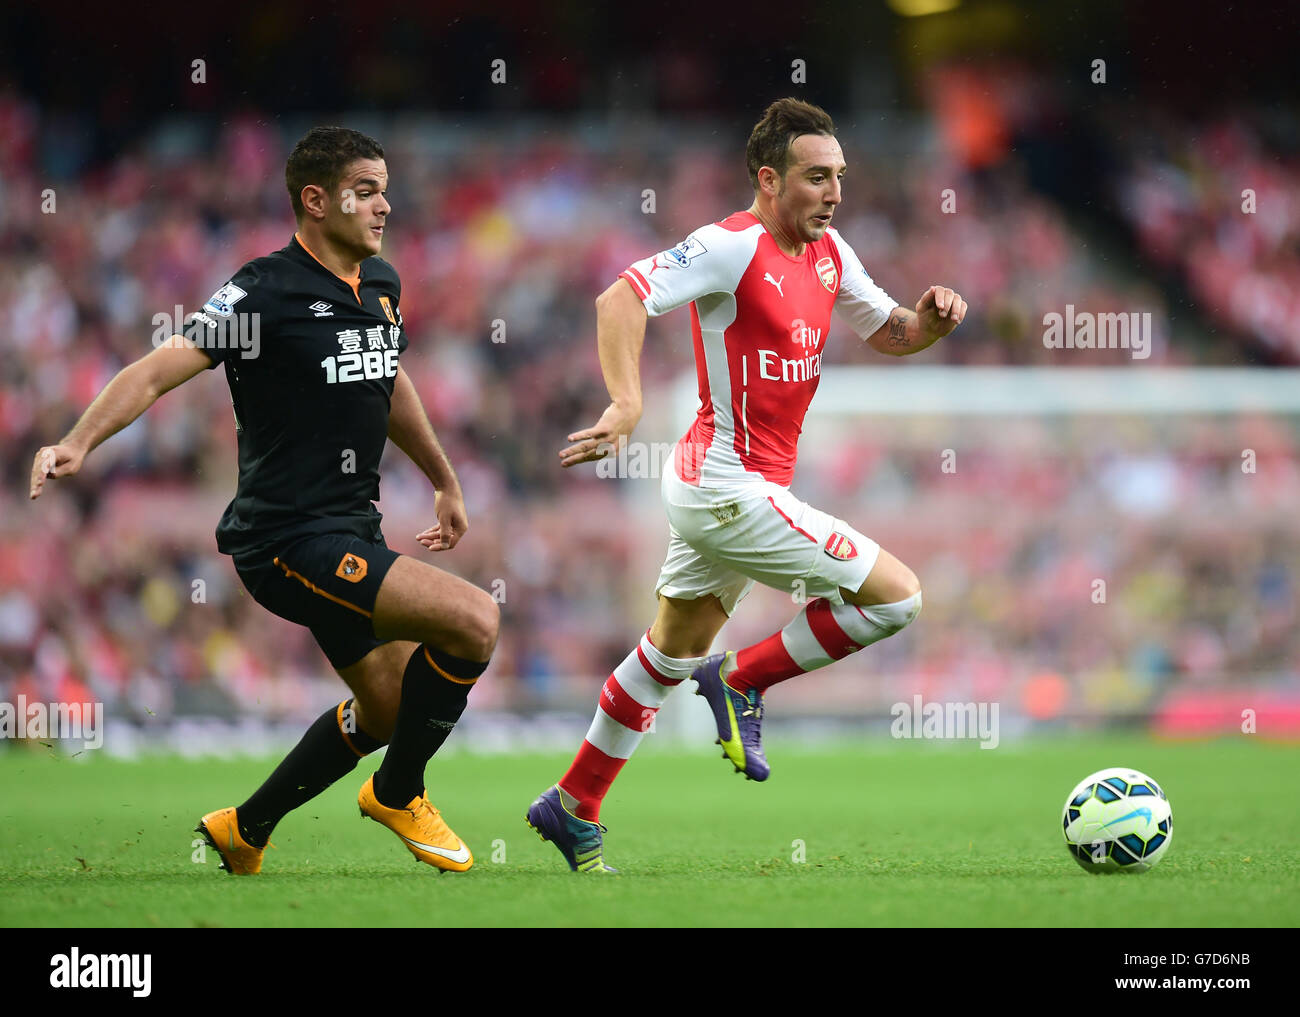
(315, 201)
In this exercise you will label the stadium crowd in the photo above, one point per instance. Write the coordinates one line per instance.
(111, 586)
(1218, 207)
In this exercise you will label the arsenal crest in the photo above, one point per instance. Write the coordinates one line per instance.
(840, 547)
(828, 273)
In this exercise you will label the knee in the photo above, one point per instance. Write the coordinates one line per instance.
(896, 616)
(907, 586)
(482, 627)
(889, 582)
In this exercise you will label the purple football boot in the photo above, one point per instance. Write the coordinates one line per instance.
(739, 716)
(578, 840)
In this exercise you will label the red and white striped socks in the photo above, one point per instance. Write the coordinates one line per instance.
(818, 635)
(628, 703)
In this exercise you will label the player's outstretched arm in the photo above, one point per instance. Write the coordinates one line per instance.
(410, 430)
(620, 332)
(132, 391)
(938, 312)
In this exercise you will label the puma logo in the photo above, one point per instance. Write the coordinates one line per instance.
(767, 277)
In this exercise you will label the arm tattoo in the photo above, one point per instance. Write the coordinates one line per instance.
(898, 329)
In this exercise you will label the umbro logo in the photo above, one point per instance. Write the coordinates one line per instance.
(767, 277)
(322, 309)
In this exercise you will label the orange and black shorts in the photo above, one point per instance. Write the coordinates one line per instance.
(328, 583)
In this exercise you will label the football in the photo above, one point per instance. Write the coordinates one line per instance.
(1117, 820)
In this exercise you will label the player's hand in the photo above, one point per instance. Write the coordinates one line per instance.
(54, 461)
(612, 429)
(939, 311)
(452, 522)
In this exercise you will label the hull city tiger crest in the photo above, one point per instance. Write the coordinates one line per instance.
(839, 546)
(828, 274)
(351, 568)
(387, 305)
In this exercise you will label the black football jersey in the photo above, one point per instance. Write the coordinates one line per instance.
(311, 364)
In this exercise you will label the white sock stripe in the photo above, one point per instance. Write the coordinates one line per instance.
(611, 737)
(615, 739)
(644, 689)
(857, 625)
(867, 625)
(672, 668)
(802, 645)
(631, 674)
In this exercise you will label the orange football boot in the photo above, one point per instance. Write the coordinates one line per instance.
(221, 830)
(421, 828)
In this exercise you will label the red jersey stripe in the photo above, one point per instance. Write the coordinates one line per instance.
(638, 282)
(791, 521)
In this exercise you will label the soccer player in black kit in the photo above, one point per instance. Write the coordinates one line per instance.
(310, 337)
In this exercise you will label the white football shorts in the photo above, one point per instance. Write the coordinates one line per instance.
(723, 540)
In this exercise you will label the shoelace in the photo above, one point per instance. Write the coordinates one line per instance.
(752, 737)
(589, 840)
(425, 813)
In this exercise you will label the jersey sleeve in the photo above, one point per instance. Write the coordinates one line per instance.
(860, 302)
(391, 301)
(710, 260)
(224, 328)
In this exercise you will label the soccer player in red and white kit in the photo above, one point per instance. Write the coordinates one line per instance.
(761, 285)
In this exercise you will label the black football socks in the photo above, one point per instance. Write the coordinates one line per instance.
(435, 687)
(329, 750)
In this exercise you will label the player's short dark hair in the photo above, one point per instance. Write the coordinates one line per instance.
(321, 157)
(782, 122)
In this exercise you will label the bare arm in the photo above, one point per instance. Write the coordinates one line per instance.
(937, 313)
(410, 430)
(132, 391)
(620, 333)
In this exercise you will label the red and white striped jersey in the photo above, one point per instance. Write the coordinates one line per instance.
(759, 320)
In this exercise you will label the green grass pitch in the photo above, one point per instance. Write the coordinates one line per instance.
(890, 834)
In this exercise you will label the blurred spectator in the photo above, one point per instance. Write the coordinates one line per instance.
(112, 581)
(1213, 204)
